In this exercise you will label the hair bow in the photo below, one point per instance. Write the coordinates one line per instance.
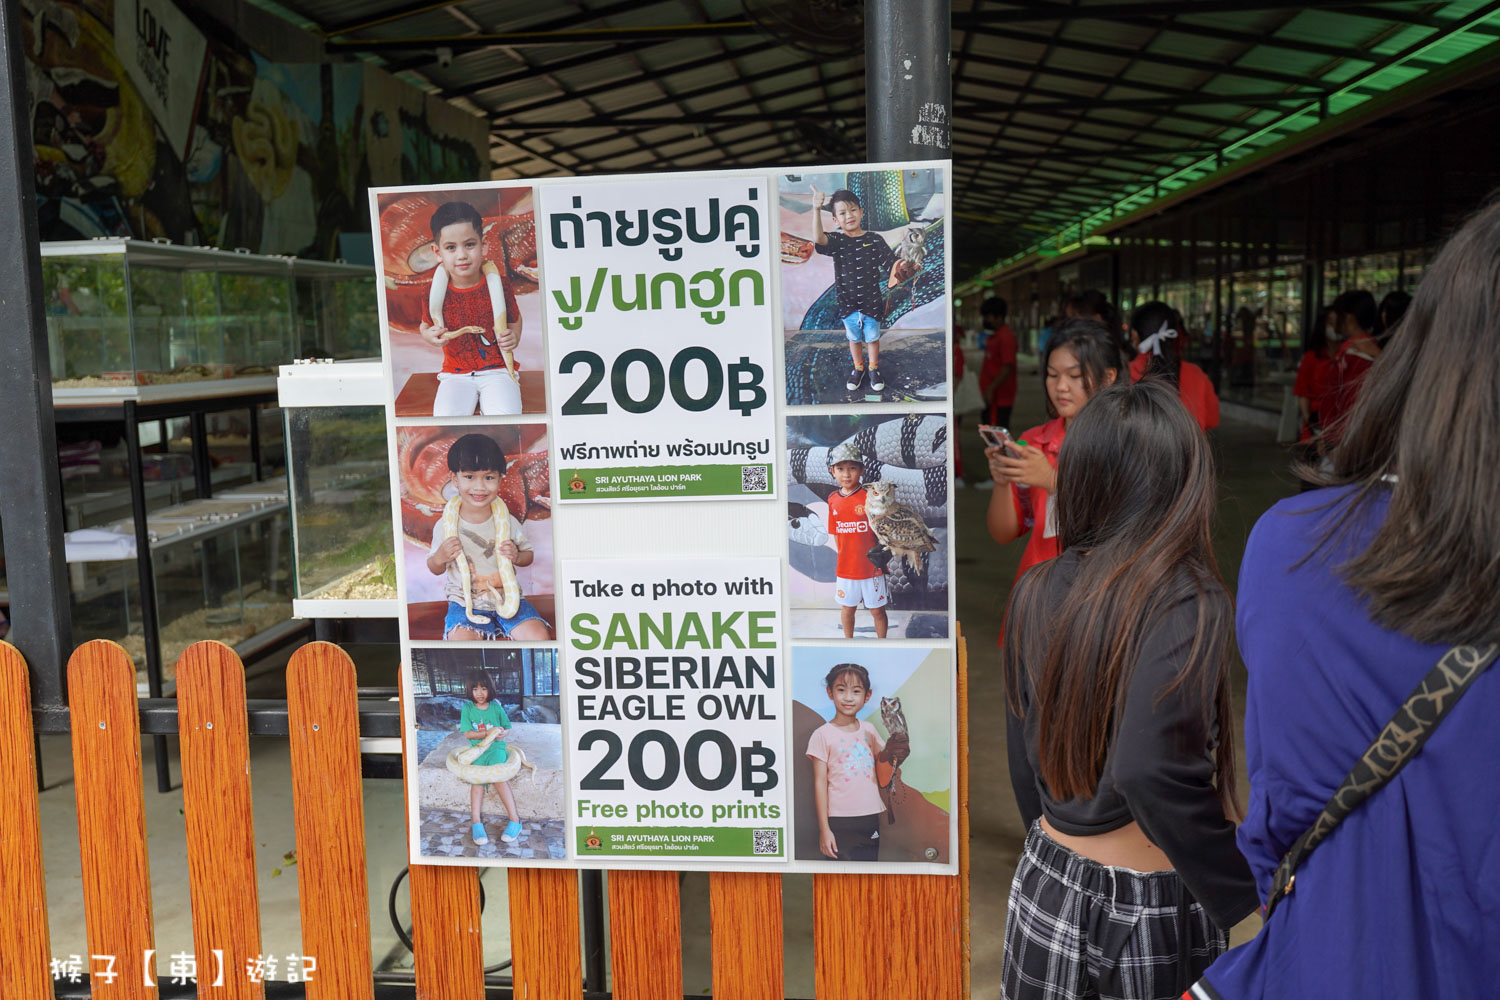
(1152, 344)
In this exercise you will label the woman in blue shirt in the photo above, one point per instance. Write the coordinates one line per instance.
(1348, 596)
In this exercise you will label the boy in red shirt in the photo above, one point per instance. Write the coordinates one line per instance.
(856, 579)
(474, 369)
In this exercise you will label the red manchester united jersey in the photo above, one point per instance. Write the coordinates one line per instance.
(852, 534)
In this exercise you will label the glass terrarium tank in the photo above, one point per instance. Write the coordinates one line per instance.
(229, 584)
(130, 313)
(339, 484)
(337, 314)
(221, 569)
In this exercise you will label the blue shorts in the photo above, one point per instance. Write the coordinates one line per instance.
(493, 626)
(861, 328)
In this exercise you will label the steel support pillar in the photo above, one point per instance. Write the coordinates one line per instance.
(908, 81)
(31, 507)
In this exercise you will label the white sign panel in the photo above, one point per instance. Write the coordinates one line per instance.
(760, 679)
(660, 327)
(675, 681)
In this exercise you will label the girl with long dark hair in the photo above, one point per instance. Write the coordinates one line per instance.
(1156, 330)
(1120, 727)
(1081, 359)
(1398, 559)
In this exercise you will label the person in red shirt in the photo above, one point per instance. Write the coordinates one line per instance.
(474, 370)
(1082, 358)
(856, 579)
(1355, 317)
(997, 376)
(1310, 375)
(1156, 331)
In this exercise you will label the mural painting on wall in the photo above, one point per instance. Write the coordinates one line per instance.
(149, 124)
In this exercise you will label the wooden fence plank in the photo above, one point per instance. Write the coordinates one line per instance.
(447, 938)
(328, 804)
(856, 954)
(544, 936)
(24, 945)
(215, 739)
(853, 916)
(645, 935)
(930, 964)
(745, 915)
(111, 821)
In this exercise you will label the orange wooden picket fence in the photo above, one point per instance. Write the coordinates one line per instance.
(876, 937)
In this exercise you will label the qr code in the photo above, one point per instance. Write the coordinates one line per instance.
(754, 479)
(765, 842)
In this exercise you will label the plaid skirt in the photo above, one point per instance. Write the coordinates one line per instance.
(1076, 928)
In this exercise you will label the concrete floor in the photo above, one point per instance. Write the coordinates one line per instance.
(1252, 475)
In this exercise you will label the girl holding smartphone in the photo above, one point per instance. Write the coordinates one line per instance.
(1081, 359)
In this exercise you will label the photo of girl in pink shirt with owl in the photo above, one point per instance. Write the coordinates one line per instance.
(844, 751)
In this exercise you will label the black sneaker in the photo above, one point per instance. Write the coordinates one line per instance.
(876, 382)
(856, 376)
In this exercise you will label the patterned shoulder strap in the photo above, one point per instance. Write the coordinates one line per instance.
(1392, 750)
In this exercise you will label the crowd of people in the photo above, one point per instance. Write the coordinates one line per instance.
(1366, 612)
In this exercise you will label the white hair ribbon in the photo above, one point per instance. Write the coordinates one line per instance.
(1152, 344)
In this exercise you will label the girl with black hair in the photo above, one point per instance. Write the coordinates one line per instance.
(1081, 359)
(843, 751)
(479, 716)
(1120, 730)
(1392, 308)
(1156, 331)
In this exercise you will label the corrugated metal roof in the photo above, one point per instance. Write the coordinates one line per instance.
(1064, 113)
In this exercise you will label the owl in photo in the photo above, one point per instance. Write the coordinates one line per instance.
(899, 528)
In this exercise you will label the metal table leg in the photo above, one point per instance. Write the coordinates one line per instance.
(150, 627)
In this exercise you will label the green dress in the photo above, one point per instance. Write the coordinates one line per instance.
(490, 717)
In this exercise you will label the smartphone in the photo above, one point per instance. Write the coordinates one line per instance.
(999, 437)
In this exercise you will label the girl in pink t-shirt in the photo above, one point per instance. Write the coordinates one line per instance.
(844, 751)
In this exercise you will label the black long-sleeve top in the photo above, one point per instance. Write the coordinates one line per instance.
(1159, 771)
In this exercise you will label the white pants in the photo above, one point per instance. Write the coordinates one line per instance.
(496, 393)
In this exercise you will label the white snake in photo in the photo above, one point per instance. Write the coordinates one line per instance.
(439, 292)
(460, 763)
(510, 603)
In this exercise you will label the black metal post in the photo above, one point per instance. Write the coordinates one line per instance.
(255, 441)
(203, 481)
(591, 892)
(30, 491)
(908, 82)
(150, 627)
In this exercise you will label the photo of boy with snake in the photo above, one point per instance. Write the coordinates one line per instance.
(477, 545)
(472, 317)
(460, 285)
